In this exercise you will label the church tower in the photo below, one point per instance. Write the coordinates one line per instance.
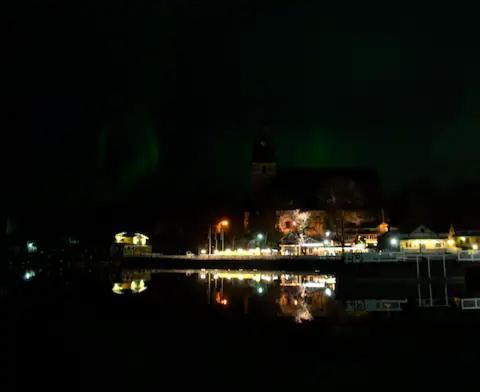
(264, 165)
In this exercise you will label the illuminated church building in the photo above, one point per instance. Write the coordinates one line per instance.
(340, 204)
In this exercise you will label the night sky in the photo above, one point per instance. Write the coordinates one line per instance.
(112, 100)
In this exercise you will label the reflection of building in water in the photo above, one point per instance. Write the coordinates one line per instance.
(239, 275)
(305, 296)
(127, 244)
(301, 296)
(132, 282)
(375, 305)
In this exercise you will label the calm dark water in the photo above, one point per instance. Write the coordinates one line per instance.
(150, 328)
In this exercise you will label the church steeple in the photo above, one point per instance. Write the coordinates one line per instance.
(264, 165)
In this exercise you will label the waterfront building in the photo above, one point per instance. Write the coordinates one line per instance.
(130, 244)
(422, 239)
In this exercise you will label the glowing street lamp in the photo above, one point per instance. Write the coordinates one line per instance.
(260, 236)
(222, 226)
(31, 247)
(393, 241)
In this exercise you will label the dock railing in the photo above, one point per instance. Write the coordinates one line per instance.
(470, 303)
(469, 255)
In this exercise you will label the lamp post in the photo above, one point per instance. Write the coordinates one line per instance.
(261, 237)
(210, 239)
(223, 225)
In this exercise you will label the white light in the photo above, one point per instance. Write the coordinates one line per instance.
(31, 247)
(475, 247)
(240, 277)
(327, 233)
(28, 275)
(259, 236)
(326, 242)
(328, 292)
(314, 284)
(203, 252)
(260, 290)
(393, 242)
(203, 276)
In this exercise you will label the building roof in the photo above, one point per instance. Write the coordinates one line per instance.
(423, 232)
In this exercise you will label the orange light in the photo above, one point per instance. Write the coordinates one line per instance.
(224, 302)
(224, 223)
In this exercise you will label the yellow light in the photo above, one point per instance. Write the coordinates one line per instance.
(203, 251)
(119, 237)
(240, 277)
(462, 239)
(224, 223)
(203, 276)
(451, 242)
(475, 247)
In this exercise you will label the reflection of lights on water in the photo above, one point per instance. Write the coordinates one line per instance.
(117, 289)
(138, 286)
(328, 292)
